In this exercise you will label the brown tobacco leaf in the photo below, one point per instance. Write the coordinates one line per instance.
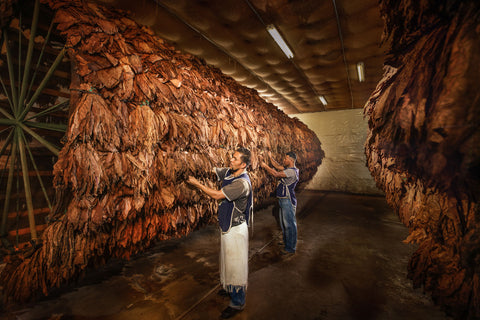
(421, 144)
(136, 63)
(110, 77)
(65, 19)
(82, 67)
(74, 40)
(107, 26)
(114, 61)
(177, 83)
(125, 90)
(142, 129)
(145, 87)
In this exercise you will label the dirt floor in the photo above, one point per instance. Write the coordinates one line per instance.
(350, 263)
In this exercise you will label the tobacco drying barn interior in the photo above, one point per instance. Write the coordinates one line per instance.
(108, 106)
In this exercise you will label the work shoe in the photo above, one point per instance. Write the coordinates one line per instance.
(229, 312)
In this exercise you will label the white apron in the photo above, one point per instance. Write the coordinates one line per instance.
(234, 257)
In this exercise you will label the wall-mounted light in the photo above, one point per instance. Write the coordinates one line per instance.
(361, 71)
(322, 100)
(279, 40)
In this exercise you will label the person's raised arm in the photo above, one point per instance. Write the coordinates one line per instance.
(276, 165)
(273, 172)
(215, 194)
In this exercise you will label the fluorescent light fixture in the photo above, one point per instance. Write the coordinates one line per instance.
(361, 71)
(279, 40)
(322, 100)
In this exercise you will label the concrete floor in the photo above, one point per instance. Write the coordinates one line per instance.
(350, 264)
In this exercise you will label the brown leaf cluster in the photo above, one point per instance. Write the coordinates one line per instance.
(142, 119)
(423, 149)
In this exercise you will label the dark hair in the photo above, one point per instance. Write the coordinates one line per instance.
(245, 157)
(292, 155)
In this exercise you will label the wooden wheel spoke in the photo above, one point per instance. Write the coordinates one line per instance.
(49, 110)
(34, 76)
(44, 82)
(3, 130)
(48, 126)
(43, 141)
(6, 114)
(26, 185)
(9, 98)
(11, 72)
(8, 191)
(7, 141)
(32, 159)
(28, 61)
(27, 84)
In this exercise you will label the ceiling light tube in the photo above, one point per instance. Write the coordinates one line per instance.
(361, 71)
(322, 100)
(279, 40)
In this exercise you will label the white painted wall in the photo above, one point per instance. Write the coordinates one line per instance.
(342, 134)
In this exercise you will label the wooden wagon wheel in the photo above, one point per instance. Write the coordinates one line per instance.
(27, 114)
